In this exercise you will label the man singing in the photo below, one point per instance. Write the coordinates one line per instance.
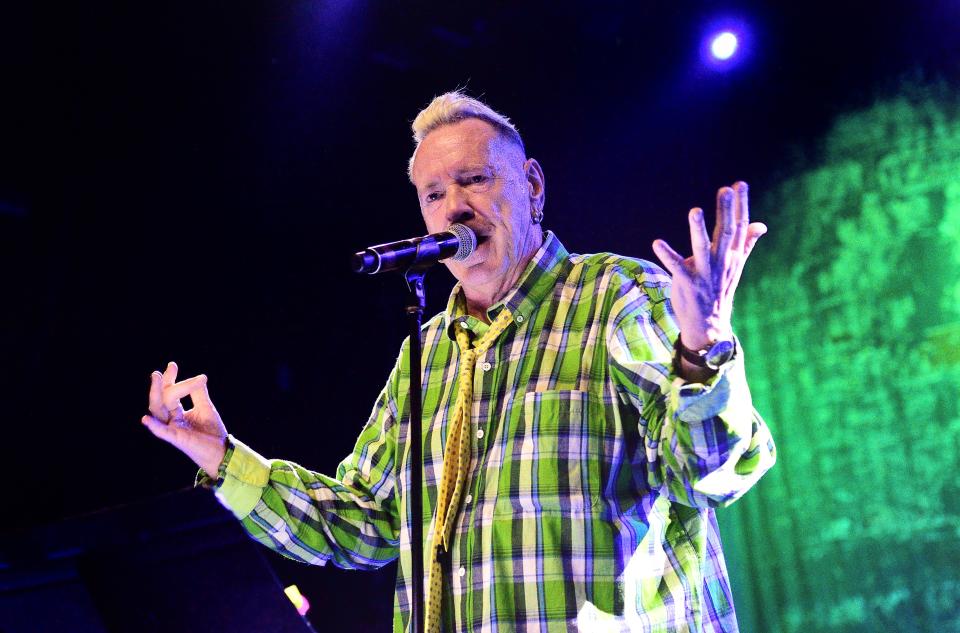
(583, 416)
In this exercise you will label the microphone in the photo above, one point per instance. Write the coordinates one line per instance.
(458, 242)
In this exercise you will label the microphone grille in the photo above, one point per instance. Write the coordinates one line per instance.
(468, 241)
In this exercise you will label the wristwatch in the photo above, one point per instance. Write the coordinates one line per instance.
(712, 357)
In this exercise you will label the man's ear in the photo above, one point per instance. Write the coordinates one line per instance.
(535, 182)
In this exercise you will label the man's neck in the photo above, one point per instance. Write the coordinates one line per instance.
(477, 306)
(479, 300)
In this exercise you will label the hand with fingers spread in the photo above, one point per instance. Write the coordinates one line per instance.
(705, 282)
(199, 432)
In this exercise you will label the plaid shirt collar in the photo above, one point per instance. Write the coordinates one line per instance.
(536, 281)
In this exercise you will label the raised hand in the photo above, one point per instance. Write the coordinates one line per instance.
(199, 432)
(705, 282)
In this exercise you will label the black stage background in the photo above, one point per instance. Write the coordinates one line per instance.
(187, 181)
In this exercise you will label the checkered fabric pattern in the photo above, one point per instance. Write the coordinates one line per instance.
(593, 474)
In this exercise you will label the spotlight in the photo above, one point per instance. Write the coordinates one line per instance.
(726, 43)
(724, 46)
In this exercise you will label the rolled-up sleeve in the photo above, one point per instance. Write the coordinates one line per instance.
(705, 445)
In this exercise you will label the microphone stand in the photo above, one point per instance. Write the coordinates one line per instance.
(427, 252)
(416, 302)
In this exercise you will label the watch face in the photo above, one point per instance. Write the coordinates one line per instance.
(720, 353)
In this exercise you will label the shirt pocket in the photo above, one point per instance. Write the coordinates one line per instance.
(552, 462)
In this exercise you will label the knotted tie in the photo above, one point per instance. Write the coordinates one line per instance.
(456, 461)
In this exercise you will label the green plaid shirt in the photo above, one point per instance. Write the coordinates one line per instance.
(594, 471)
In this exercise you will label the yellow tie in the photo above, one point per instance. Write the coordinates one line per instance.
(456, 461)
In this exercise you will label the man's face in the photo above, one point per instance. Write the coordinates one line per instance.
(466, 172)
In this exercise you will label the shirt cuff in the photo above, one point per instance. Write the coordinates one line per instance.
(241, 479)
(725, 393)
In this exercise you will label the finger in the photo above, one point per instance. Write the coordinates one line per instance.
(724, 229)
(201, 397)
(754, 232)
(741, 214)
(155, 399)
(158, 428)
(173, 393)
(170, 374)
(671, 259)
(699, 240)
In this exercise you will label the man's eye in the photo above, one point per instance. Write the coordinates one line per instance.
(477, 182)
(433, 196)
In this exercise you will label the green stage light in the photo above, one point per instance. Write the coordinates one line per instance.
(849, 314)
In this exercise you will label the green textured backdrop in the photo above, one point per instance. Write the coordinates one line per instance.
(849, 314)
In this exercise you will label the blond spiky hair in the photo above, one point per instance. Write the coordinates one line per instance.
(455, 106)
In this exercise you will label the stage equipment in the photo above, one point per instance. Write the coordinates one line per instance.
(457, 242)
(724, 45)
(179, 562)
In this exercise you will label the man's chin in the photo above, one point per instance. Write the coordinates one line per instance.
(473, 273)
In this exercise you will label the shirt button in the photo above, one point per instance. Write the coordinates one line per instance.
(486, 366)
(519, 318)
(479, 434)
(461, 571)
(469, 499)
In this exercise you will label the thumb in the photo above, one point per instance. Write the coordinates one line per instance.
(671, 259)
(206, 451)
(158, 428)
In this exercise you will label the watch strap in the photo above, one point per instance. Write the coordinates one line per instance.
(698, 358)
(711, 357)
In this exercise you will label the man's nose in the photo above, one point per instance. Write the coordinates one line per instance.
(457, 207)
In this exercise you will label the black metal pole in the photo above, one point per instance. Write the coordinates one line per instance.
(427, 254)
(416, 302)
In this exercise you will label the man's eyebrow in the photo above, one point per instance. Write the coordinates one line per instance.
(475, 167)
(459, 172)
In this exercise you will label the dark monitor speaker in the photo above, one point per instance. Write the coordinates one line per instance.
(179, 563)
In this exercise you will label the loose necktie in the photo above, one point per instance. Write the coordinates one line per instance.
(456, 460)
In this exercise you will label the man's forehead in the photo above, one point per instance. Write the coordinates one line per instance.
(459, 146)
